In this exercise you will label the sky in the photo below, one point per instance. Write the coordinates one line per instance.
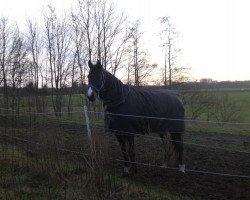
(214, 34)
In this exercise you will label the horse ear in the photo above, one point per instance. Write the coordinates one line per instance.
(98, 64)
(90, 64)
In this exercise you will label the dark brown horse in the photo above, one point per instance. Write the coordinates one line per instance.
(123, 102)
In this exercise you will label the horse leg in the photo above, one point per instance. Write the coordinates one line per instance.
(131, 143)
(177, 143)
(122, 142)
(166, 147)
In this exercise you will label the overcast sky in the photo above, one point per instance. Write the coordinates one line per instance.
(214, 34)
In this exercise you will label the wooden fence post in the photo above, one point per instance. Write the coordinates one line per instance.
(91, 144)
(87, 123)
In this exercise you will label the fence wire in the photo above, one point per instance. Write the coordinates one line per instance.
(138, 163)
(22, 112)
(111, 131)
(66, 140)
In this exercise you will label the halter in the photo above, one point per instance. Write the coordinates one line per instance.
(98, 90)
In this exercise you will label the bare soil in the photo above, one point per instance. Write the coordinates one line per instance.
(198, 185)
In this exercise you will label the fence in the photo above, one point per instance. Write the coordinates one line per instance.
(59, 149)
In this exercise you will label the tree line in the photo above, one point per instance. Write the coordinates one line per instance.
(53, 53)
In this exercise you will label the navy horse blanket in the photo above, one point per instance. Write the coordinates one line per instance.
(143, 111)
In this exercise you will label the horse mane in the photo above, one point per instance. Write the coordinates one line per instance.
(115, 91)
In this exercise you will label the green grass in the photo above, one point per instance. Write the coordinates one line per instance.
(244, 100)
(22, 179)
(239, 101)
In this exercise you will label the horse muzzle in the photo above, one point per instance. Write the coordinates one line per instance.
(91, 94)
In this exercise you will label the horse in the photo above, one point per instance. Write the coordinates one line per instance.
(161, 109)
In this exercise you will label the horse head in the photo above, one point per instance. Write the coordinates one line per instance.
(96, 80)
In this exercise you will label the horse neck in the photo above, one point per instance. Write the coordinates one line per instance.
(115, 85)
(114, 90)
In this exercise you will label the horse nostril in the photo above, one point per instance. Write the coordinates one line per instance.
(91, 95)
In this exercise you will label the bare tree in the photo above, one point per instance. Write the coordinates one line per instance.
(141, 67)
(13, 63)
(114, 35)
(85, 15)
(34, 43)
(5, 45)
(169, 37)
(198, 102)
(81, 53)
(57, 42)
(104, 31)
(224, 108)
(18, 65)
(79, 56)
(119, 55)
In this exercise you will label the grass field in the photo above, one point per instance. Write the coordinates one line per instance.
(42, 158)
(239, 99)
(244, 100)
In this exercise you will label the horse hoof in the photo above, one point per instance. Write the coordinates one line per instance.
(182, 168)
(165, 165)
